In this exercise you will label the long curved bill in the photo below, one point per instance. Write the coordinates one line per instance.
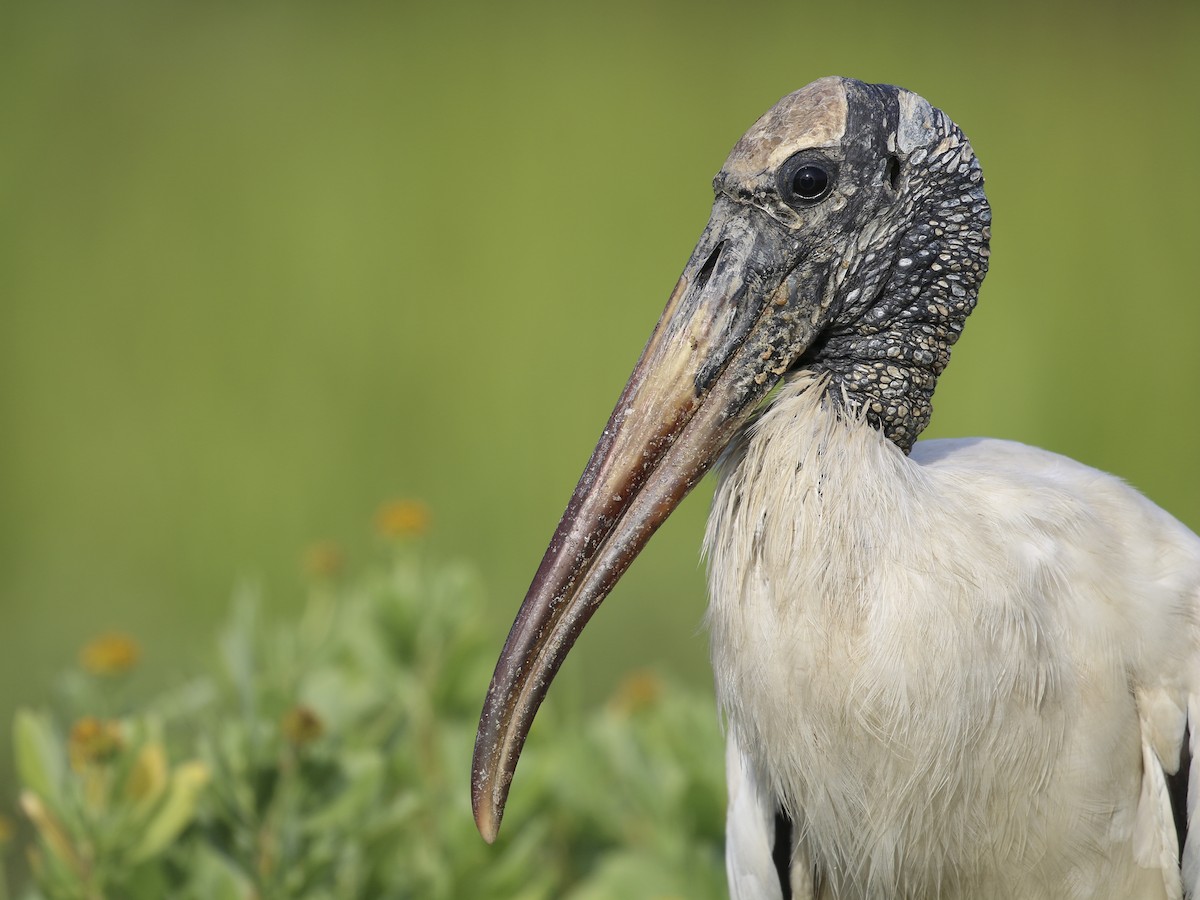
(728, 333)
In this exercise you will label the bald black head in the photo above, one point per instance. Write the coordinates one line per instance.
(895, 243)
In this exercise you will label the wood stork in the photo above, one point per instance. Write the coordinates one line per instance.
(952, 669)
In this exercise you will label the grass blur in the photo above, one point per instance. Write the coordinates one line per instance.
(265, 265)
(322, 758)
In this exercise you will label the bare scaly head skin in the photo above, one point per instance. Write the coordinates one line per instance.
(813, 117)
(867, 280)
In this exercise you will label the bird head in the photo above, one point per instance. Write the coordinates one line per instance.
(848, 236)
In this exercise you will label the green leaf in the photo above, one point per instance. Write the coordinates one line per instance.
(39, 756)
(215, 877)
(187, 781)
(363, 772)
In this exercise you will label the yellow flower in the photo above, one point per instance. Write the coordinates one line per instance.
(301, 725)
(402, 518)
(324, 559)
(109, 654)
(637, 692)
(93, 740)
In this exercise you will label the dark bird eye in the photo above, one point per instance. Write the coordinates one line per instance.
(810, 182)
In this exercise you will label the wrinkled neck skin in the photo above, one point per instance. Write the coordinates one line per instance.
(902, 306)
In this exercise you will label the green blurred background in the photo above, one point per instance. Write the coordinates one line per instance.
(266, 265)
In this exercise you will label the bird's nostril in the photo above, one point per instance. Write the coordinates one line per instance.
(709, 264)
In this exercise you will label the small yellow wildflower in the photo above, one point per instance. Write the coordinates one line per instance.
(402, 518)
(109, 654)
(93, 740)
(324, 559)
(301, 725)
(638, 691)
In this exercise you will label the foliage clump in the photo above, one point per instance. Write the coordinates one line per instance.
(329, 758)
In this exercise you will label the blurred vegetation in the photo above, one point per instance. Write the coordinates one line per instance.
(329, 758)
(264, 263)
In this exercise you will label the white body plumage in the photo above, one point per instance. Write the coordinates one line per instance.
(963, 672)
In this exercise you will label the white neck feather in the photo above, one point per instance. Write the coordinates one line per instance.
(771, 500)
(845, 614)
